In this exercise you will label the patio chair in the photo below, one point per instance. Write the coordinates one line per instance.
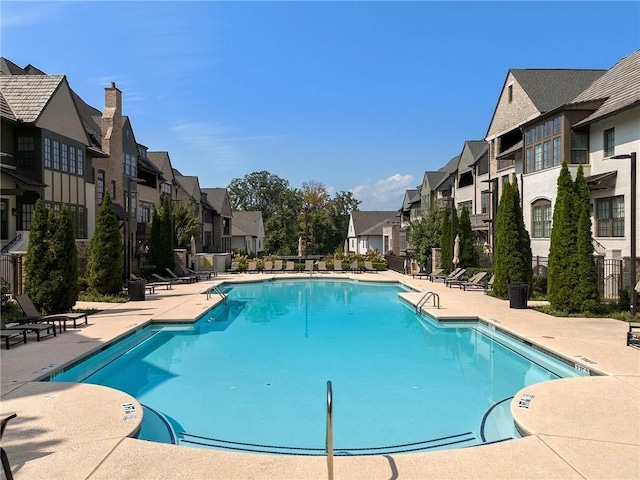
(442, 276)
(474, 280)
(235, 267)
(268, 266)
(8, 335)
(32, 327)
(277, 266)
(322, 266)
(183, 278)
(368, 266)
(337, 265)
(308, 266)
(3, 454)
(252, 267)
(31, 312)
(290, 266)
(354, 267)
(455, 277)
(479, 285)
(164, 281)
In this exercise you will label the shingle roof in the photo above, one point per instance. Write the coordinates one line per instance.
(619, 88)
(28, 95)
(190, 184)
(22, 178)
(5, 109)
(7, 67)
(435, 178)
(246, 223)
(371, 222)
(551, 88)
(216, 197)
(476, 148)
(162, 161)
(88, 115)
(451, 166)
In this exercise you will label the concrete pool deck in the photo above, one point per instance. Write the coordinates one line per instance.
(578, 428)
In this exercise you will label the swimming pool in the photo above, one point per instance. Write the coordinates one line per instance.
(251, 374)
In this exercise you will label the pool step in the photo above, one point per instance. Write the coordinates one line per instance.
(459, 439)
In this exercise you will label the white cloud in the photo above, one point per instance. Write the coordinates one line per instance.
(20, 14)
(386, 194)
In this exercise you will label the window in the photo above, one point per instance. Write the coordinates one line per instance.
(557, 156)
(510, 93)
(579, 148)
(113, 190)
(72, 160)
(4, 219)
(56, 155)
(65, 157)
(484, 202)
(47, 153)
(100, 186)
(25, 217)
(610, 217)
(26, 151)
(609, 142)
(80, 232)
(541, 217)
(80, 155)
(165, 188)
(543, 145)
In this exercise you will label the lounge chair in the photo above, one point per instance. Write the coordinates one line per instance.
(308, 266)
(290, 266)
(475, 279)
(633, 335)
(151, 286)
(354, 267)
(3, 454)
(455, 277)
(8, 335)
(322, 266)
(183, 278)
(442, 276)
(235, 267)
(268, 266)
(429, 276)
(277, 266)
(33, 327)
(164, 281)
(368, 266)
(202, 275)
(479, 285)
(252, 267)
(337, 265)
(31, 312)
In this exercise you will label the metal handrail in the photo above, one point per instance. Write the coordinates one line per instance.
(216, 289)
(425, 299)
(8, 246)
(329, 430)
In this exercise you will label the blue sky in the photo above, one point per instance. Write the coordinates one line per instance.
(361, 96)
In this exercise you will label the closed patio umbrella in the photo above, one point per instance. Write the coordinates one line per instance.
(299, 247)
(193, 252)
(456, 251)
(346, 247)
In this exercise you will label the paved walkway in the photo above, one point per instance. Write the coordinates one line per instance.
(578, 428)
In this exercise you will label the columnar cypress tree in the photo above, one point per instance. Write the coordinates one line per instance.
(586, 296)
(62, 281)
(466, 239)
(561, 280)
(154, 240)
(512, 249)
(37, 261)
(104, 261)
(161, 246)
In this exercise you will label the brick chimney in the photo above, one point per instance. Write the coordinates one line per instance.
(112, 122)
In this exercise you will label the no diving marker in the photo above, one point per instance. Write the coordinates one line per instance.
(129, 411)
(525, 400)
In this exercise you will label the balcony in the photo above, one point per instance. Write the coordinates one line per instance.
(480, 221)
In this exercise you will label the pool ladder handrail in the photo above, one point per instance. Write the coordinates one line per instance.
(329, 430)
(216, 289)
(425, 299)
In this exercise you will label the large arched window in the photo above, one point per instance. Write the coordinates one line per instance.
(541, 219)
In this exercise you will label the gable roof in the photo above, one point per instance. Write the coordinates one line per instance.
(371, 222)
(475, 148)
(7, 67)
(190, 185)
(451, 166)
(28, 95)
(216, 197)
(551, 88)
(5, 109)
(246, 223)
(619, 88)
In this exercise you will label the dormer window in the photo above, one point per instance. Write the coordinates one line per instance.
(510, 93)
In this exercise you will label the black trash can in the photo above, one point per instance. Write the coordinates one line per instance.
(518, 295)
(136, 290)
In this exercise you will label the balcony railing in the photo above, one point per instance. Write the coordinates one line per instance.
(479, 221)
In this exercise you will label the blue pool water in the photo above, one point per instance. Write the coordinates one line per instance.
(252, 374)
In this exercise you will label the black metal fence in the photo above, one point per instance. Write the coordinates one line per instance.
(610, 278)
(11, 272)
